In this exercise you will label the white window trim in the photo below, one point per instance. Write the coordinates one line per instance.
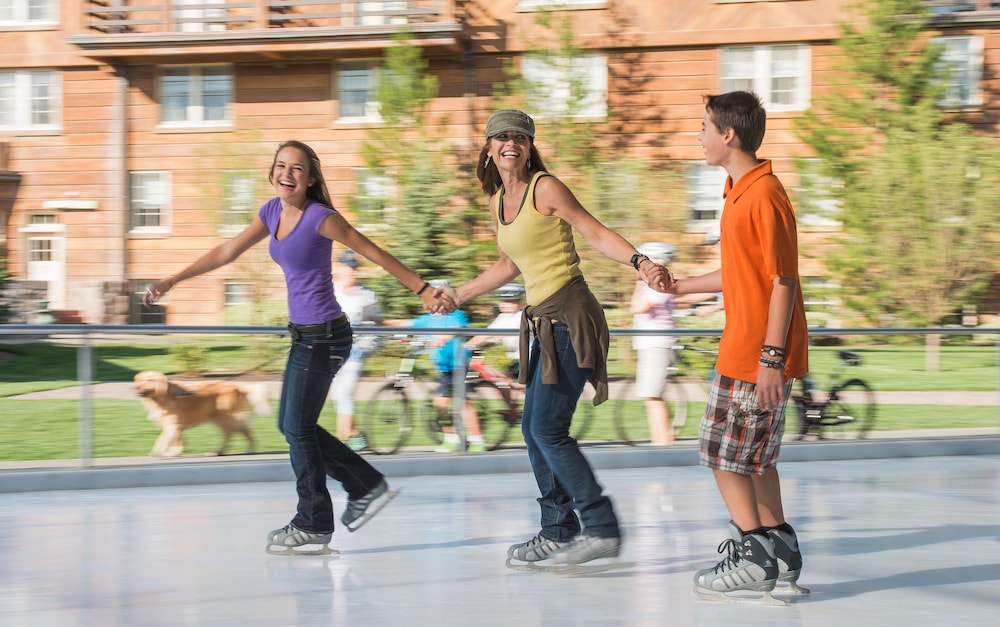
(704, 193)
(371, 114)
(165, 211)
(561, 5)
(20, 17)
(974, 65)
(762, 76)
(200, 122)
(22, 100)
(540, 70)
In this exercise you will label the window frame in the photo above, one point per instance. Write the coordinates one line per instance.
(968, 66)
(547, 71)
(762, 76)
(20, 14)
(195, 107)
(164, 178)
(22, 87)
(369, 69)
(704, 185)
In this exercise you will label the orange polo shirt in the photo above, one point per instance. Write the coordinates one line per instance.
(759, 243)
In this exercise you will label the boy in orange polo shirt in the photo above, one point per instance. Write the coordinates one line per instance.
(764, 346)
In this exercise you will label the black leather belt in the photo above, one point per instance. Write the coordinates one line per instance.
(325, 328)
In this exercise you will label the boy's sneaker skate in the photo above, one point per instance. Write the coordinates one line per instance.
(786, 550)
(360, 510)
(584, 548)
(289, 539)
(534, 550)
(357, 442)
(750, 565)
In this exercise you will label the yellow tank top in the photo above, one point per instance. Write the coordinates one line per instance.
(540, 246)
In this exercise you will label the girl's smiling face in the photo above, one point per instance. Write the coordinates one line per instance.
(290, 174)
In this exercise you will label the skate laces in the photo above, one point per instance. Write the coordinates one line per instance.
(733, 556)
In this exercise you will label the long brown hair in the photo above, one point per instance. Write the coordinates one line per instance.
(489, 175)
(317, 191)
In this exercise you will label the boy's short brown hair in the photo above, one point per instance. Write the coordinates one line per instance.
(741, 111)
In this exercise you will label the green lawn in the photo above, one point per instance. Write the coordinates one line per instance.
(47, 429)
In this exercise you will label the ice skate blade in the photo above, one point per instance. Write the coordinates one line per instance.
(373, 509)
(563, 569)
(721, 597)
(324, 549)
(794, 588)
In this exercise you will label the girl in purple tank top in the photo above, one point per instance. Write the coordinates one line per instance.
(301, 226)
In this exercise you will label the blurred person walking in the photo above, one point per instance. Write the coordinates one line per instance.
(301, 225)
(654, 310)
(534, 215)
(360, 304)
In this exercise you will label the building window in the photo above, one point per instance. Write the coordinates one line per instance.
(779, 75)
(40, 249)
(29, 100)
(149, 196)
(560, 5)
(141, 314)
(963, 58)
(705, 184)
(375, 193)
(356, 82)
(199, 18)
(240, 193)
(371, 13)
(238, 292)
(31, 12)
(195, 95)
(567, 86)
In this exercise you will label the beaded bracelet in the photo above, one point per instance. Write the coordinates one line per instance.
(772, 363)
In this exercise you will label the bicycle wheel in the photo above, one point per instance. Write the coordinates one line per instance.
(496, 415)
(629, 412)
(850, 412)
(386, 421)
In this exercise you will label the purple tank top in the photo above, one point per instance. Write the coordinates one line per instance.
(305, 256)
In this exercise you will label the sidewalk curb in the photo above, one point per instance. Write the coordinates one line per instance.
(224, 470)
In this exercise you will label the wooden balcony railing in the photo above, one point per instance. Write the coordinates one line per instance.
(205, 16)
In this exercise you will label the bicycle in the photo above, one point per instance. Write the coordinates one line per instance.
(390, 414)
(497, 425)
(684, 383)
(845, 411)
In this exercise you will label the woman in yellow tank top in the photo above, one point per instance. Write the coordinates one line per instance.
(534, 215)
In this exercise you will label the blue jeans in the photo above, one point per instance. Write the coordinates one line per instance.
(312, 362)
(565, 479)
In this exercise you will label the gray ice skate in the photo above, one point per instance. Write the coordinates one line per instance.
(585, 548)
(749, 566)
(290, 540)
(786, 550)
(527, 555)
(360, 510)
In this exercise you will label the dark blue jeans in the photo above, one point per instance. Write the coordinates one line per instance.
(565, 479)
(312, 362)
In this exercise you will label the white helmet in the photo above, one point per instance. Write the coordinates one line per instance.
(511, 291)
(658, 252)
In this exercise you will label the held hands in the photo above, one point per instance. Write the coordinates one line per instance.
(656, 276)
(441, 300)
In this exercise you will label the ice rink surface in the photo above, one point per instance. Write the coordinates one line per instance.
(911, 541)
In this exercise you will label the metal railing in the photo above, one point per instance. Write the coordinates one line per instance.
(85, 334)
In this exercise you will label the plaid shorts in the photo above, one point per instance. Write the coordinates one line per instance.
(735, 435)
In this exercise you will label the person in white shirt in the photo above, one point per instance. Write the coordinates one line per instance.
(361, 306)
(654, 310)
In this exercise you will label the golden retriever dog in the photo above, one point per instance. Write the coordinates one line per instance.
(177, 407)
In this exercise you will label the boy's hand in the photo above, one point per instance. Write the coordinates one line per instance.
(656, 276)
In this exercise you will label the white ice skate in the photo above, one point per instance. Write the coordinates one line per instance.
(290, 540)
(786, 550)
(359, 511)
(749, 567)
(528, 555)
